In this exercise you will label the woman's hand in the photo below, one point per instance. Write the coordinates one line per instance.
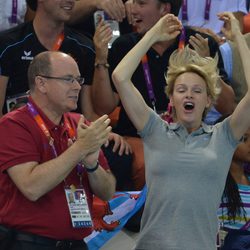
(231, 27)
(167, 28)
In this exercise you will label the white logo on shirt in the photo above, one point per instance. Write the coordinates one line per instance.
(27, 56)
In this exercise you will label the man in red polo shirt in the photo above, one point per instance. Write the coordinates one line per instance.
(49, 155)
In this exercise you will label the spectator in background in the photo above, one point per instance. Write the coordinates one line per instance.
(233, 67)
(83, 15)
(203, 13)
(13, 12)
(50, 153)
(234, 211)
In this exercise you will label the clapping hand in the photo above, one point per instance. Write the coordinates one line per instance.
(91, 137)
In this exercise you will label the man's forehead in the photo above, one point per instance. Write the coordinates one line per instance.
(62, 63)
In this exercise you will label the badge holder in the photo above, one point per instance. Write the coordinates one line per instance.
(78, 207)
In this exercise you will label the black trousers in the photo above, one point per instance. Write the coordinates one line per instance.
(15, 240)
(22, 245)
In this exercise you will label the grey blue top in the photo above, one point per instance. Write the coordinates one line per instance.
(185, 175)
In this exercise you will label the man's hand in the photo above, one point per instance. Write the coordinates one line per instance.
(92, 137)
(128, 7)
(200, 45)
(102, 36)
(119, 144)
(114, 8)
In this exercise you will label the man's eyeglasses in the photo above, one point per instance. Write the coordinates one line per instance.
(67, 79)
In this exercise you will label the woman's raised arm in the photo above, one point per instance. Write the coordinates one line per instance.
(167, 28)
(240, 121)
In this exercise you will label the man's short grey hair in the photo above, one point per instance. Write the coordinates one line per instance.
(40, 65)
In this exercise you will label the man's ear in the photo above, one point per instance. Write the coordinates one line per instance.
(165, 9)
(40, 84)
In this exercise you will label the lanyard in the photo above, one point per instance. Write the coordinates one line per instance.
(206, 11)
(182, 39)
(148, 79)
(46, 132)
(184, 10)
(14, 12)
(146, 70)
(58, 42)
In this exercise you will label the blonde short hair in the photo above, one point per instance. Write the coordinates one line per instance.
(188, 60)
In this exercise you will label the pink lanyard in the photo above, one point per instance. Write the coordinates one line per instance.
(14, 12)
(206, 11)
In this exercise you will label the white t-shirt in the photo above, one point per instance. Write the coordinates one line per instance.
(6, 13)
(196, 10)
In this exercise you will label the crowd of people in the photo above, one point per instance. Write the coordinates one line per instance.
(166, 106)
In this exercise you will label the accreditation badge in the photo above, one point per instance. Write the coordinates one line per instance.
(78, 207)
(13, 101)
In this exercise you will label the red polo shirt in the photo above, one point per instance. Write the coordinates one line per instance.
(22, 141)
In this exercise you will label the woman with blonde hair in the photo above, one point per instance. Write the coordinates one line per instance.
(186, 162)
